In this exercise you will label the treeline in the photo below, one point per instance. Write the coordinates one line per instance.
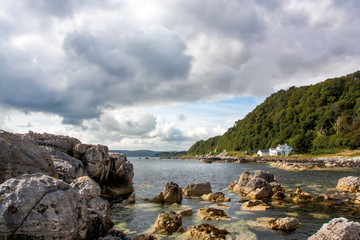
(171, 154)
(311, 119)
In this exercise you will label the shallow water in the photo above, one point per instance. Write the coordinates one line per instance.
(152, 174)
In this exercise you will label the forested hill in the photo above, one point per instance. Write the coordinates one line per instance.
(310, 118)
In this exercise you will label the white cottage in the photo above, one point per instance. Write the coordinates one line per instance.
(279, 150)
(263, 152)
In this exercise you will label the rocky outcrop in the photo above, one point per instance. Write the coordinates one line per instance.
(350, 184)
(206, 231)
(338, 229)
(210, 213)
(197, 189)
(255, 205)
(20, 155)
(215, 197)
(87, 187)
(65, 144)
(167, 223)
(259, 186)
(68, 168)
(37, 205)
(186, 212)
(41, 206)
(145, 237)
(288, 223)
(171, 193)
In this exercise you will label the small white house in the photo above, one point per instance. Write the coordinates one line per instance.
(263, 152)
(279, 150)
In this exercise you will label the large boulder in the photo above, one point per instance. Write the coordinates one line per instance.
(350, 184)
(171, 193)
(257, 188)
(68, 168)
(40, 206)
(113, 173)
(20, 155)
(338, 229)
(167, 223)
(197, 189)
(87, 187)
(59, 142)
(206, 231)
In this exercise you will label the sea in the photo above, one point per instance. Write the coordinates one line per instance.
(153, 173)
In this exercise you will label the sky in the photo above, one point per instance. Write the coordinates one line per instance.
(161, 75)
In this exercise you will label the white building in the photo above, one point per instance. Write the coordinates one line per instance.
(279, 150)
(263, 152)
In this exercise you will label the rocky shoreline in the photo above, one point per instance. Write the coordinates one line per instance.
(289, 163)
(55, 187)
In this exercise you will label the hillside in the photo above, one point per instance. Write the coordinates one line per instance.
(310, 118)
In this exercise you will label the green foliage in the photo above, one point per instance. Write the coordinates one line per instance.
(311, 118)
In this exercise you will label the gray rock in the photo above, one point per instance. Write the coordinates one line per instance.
(197, 189)
(171, 193)
(288, 223)
(338, 229)
(257, 188)
(269, 177)
(240, 185)
(99, 220)
(59, 142)
(41, 206)
(87, 187)
(68, 168)
(79, 150)
(20, 155)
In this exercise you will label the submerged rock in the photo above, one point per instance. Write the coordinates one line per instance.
(210, 213)
(20, 155)
(350, 184)
(167, 223)
(215, 197)
(145, 237)
(197, 189)
(171, 193)
(255, 205)
(338, 229)
(288, 223)
(206, 231)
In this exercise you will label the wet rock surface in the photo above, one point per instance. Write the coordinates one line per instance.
(197, 189)
(167, 223)
(210, 213)
(206, 231)
(255, 205)
(171, 193)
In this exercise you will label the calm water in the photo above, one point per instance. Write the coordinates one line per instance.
(140, 217)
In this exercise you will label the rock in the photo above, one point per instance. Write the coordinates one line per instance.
(210, 213)
(145, 237)
(350, 184)
(20, 155)
(131, 199)
(114, 235)
(357, 199)
(288, 223)
(40, 206)
(215, 197)
(99, 220)
(322, 198)
(68, 168)
(278, 195)
(198, 189)
(59, 142)
(79, 150)
(255, 205)
(87, 187)
(240, 184)
(269, 177)
(206, 231)
(257, 188)
(171, 193)
(186, 212)
(301, 196)
(97, 162)
(167, 223)
(338, 229)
